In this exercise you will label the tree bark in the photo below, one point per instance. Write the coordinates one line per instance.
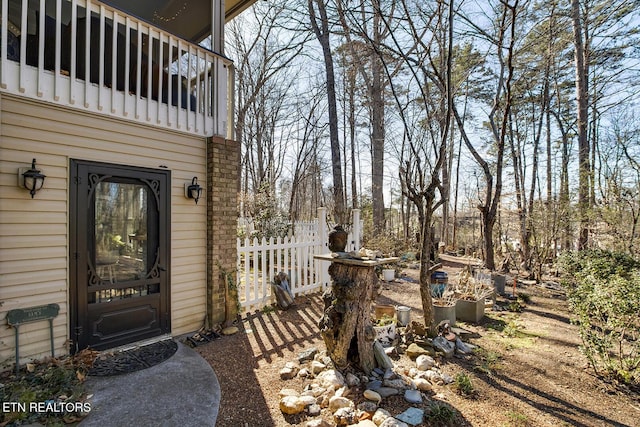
(346, 326)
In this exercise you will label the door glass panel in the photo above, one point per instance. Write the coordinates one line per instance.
(121, 214)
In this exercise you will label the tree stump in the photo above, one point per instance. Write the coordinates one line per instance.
(346, 326)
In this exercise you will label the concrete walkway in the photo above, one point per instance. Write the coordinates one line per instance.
(181, 391)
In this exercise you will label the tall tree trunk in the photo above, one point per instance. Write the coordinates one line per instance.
(377, 124)
(321, 30)
(582, 98)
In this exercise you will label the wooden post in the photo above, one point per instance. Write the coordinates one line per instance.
(346, 326)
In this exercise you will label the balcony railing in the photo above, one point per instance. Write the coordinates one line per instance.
(89, 56)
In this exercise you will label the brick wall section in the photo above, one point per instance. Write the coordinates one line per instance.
(223, 168)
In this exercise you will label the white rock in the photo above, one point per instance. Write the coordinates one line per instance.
(342, 391)
(337, 402)
(331, 377)
(434, 377)
(288, 392)
(307, 400)
(372, 395)
(365, 423)
(422, 384)
(303, 373)
(317, 367)
(392, 422)
(317, 423)
(413, 372)
(424, 362)
(380, 416)
(291, 405)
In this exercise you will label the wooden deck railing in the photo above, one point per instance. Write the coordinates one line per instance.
(89, 56)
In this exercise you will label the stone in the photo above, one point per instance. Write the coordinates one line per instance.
(317, 423)
(307, 400)
(414, 350)
(289, 371)
(352, 380)
(389, 374)
(387, 391)
(398, 383)
(314, 410)
(445, 346)
(345, 416)
(230, 330)
(307, 355)
(380, 415)
(434, 377)
(412, 416)
(424, 362)
(372, 395)
(448, 379)
(317, 367)
(374, 385)
(367, 406)
(413, 396)
(422, 384)
(343, 391)
(337, 402)
(366, 423)
(304, 373)
(291, 405)
(392, 422)
(331, 377)
(288, 392)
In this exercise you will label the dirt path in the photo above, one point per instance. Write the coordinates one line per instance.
(526, 371)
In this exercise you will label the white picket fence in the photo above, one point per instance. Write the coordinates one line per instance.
(260, 260)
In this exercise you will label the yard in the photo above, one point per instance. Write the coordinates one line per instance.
(526, 370)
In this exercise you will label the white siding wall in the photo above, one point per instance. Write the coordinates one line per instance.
(34, 234)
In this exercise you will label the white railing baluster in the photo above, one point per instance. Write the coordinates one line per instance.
(57, 52)
(139, 70)
(114, 60)
(41, 36)
(87, 53)
(101, 59)
(4, 52)
(150, 74)
(127, 64)
(169, 91)
(73, 52)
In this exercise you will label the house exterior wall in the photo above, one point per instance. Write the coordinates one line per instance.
(34, 233)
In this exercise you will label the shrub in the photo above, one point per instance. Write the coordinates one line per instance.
(603, 290)
(463, 384)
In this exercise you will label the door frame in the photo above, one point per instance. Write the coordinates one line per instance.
(78, 229)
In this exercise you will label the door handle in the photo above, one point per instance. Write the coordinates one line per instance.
(161, 268)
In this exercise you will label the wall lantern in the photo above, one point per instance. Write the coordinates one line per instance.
(31, 179)
(193, 190)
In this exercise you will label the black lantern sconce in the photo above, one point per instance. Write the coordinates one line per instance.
(193, 190)
(31, 179)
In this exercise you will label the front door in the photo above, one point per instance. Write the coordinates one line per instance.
(119, 230)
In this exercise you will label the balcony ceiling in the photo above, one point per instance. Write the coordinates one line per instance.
(189, 19)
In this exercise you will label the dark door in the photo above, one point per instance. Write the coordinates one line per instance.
(119, 230)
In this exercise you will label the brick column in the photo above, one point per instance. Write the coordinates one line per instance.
(223, 169)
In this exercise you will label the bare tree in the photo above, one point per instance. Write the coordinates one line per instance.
(320, 26)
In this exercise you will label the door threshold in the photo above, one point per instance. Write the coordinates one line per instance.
(138, 344)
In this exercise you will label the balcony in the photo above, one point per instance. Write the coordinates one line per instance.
(89, 56)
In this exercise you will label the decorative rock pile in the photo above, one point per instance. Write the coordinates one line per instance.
(358, 399)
